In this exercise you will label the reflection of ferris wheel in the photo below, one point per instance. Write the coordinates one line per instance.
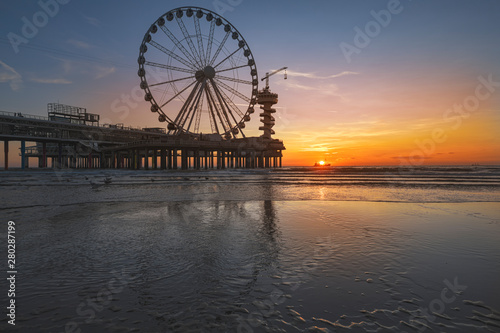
(198, 73)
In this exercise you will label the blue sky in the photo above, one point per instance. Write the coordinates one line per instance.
(427, 57)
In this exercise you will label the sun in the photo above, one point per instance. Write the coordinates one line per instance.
(321, 162)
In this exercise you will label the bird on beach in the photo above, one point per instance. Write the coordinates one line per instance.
(107, 180)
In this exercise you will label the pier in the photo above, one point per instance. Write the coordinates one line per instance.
(70, 137)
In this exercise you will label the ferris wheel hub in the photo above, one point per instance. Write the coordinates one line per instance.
(209, 72)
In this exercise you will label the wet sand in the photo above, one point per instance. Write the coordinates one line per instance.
(108, 259)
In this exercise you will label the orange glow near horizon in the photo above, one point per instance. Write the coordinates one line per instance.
(411, 125)
(429, 142)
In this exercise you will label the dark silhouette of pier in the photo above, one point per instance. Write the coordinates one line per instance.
(76, 140)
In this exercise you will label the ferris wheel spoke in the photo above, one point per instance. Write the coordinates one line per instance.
(171, 54)
(211, 109)
(232, 68)
(231, 107)
(185, 106)
(178, 44)
(194, 108)
(176, 91)
(225, 102)
(220, 48)
(191, 107)
(229, 56)
(231, 104)
(210, 41)
(198, 113)
(232, 79)
(200, 40)
(216, 106)
(177, 94)
(173, 68)
(187, 37)
(171, 81)
(233, 91)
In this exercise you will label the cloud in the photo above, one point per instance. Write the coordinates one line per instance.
(294, 85)
(365, 132)
(325, 88)
(92, 21)
(411, 157)
(328, 89)
(80, 44)
(321, 147)
(104, 71)
(314, 76)
(50, 81)
(9, 74)
(317, 149)
(72, 67)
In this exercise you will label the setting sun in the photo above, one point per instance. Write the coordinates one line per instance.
(321, 162)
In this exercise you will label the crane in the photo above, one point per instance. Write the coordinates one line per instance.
(270, 74)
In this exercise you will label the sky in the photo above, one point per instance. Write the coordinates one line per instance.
(374, 82)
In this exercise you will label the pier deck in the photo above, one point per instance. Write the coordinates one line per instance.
(60, 144)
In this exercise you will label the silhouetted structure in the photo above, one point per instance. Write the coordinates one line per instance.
(63, 143)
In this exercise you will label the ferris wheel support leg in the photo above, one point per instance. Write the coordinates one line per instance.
(184, 159)
(6, 154)
(197, 160)
(170, 159)
(163, 161)
(174, 159)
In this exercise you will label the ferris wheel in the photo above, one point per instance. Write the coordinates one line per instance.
(198, 73)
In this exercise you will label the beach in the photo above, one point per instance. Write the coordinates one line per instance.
(289, 250)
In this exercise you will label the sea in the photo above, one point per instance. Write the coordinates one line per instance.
(294, 249)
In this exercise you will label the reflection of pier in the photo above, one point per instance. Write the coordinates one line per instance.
(75, 140)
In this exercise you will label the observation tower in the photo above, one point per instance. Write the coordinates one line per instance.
(267, 99)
